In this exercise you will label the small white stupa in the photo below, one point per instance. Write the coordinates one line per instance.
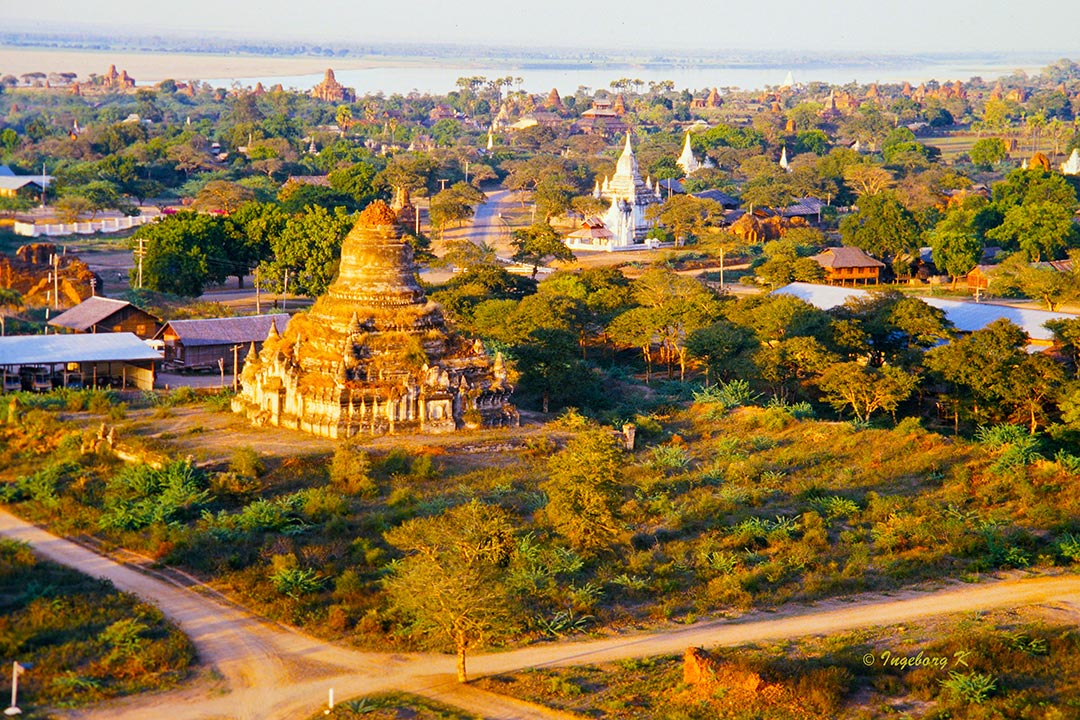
(1072, 165)
(783, 159)
(687, 161)
(789, 82)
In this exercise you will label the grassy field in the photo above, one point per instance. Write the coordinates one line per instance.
(1015, 664)
(83, 640)
(719, 510)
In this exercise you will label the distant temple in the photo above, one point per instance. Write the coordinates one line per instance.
(331, 90)
(629, 196)
(374, 355)
(711, 102)
(117, 80)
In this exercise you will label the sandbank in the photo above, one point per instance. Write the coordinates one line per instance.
(149, 68)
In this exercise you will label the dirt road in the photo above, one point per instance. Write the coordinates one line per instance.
(270, 671)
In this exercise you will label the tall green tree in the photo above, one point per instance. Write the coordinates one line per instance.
(584, 491)
(1040, 229)
(865, 389)
(451, 584)
(685, 215)
(537, 242)
(184, 253)
(882, 226)
(308, 248)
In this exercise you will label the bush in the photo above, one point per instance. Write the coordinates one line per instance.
(142, 495)
(246, 462)
(1069, 547)
(727, 395)
(350, 471)
(969, 687)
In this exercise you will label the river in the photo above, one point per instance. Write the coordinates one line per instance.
(441, 78)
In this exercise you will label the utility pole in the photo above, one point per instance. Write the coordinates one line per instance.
(93, 287)
(442, 183)
(236, 367)
(466, 171)
(54, 260)
(258, 306)
(285, 290)
(139, 254)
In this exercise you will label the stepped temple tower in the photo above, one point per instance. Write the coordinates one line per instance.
(373, 355)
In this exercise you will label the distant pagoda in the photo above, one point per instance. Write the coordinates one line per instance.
(374, 355)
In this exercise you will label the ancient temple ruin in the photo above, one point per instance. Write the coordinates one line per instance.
(374, 355)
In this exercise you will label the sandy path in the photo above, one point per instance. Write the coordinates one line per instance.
(274, 672)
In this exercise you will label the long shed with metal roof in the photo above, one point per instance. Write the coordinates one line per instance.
(116, 359)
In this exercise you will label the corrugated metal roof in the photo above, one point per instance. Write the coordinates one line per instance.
(966, 316)
(220, 331)
(55, 349)
(88, 313)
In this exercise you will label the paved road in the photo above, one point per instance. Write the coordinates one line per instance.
(269, 671)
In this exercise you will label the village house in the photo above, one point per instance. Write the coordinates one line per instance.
(101, 314)
(203, 344)
(845, 265)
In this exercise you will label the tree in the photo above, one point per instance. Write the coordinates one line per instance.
(768, 186)
(685, 215)
(308, 249)
(222, 196)
(549, 366)
(671, 306)
(865, 389)
(9, 300)
(184, 252)
(553, 197)
(356, 180)
(725, 348)
(993, 378)
(536, 242)
(584, 491)
(867, 179)
(451, 582)
(888, 328)
(987, 152)
(955, 251)
(1039, 229)
(454, 204)
(250, 233)
(1047, 284)
(882, 226)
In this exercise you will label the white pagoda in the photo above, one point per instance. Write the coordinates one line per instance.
(629, 196)
(688, 162)
(1072, 165)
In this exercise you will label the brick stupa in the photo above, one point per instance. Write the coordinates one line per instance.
(374, 355)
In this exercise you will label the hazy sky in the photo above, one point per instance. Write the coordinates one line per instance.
(888, 26)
